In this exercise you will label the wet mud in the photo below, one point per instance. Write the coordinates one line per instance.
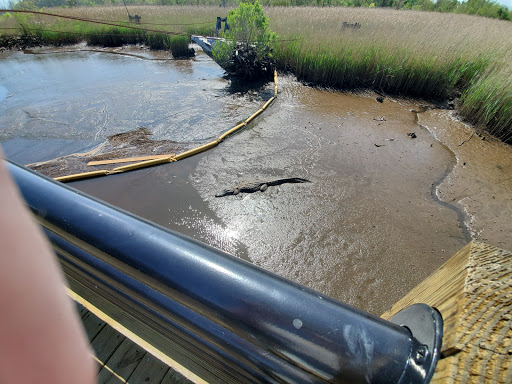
(480, 184)
(367, 228)
(117, 147)
(166, 196)
(382, 210)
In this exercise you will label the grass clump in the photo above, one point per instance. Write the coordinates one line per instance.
(177, 44)
(110, 36)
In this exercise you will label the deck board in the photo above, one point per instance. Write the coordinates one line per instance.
(473, 292)
(173, 377)
(92, 325)
(149, 370)
(82, 311)
(120, 360)
(122, 363)
(105, 344)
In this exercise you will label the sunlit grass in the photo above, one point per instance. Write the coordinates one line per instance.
(176, 19)
(436, 55)
(404, 52)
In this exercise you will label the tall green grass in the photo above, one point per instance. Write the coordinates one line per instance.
(408, 53)
(487, 103)
(56, 32)
(177, 44)
(394, 71)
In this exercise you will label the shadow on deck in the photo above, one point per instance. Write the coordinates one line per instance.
(120, 360)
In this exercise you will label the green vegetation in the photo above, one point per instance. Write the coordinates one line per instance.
(487, 8)
(421, 54)
(57, 31)
(250, 37)
(424, 54)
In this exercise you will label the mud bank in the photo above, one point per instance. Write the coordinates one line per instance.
(481, 181)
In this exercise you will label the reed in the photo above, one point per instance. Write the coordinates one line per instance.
(424, 54)
(420, 54)
(177, 44)
(175, 27)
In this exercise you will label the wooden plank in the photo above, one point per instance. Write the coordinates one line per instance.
(173, 377)
(106, 343)
(82, 311)
(149, 370)
(473, 292)
(92, 325)
(146, 338)
(122, 363)
(130, 159)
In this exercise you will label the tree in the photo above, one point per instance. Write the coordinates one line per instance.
(503, 14)
(249, 37)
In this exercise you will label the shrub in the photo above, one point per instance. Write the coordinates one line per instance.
(249, 41)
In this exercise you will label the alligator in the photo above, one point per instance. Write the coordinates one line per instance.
(251, 187)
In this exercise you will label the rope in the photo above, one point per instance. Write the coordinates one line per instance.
(170, 159)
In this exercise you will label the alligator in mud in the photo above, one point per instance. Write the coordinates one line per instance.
(251, 187)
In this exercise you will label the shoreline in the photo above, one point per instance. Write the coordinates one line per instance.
(367, 205)
(479, 176)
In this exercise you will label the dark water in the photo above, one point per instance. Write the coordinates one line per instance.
(366, 230)
(58, 102)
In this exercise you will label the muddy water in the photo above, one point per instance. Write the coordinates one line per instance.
(60, 101)
(368, 227)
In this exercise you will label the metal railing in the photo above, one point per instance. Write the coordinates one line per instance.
(239, 321)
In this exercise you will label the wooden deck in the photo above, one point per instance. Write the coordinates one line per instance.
(120, 360)
(473, 292)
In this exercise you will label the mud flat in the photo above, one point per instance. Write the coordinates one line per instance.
(369, 226)
(480, 184)
(380, 214)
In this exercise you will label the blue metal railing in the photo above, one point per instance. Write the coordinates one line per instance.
(244, 323)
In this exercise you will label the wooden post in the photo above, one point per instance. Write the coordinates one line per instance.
(473, 292)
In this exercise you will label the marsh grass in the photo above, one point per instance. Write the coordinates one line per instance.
(176, 24)
(431, 55)
(421, 54)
